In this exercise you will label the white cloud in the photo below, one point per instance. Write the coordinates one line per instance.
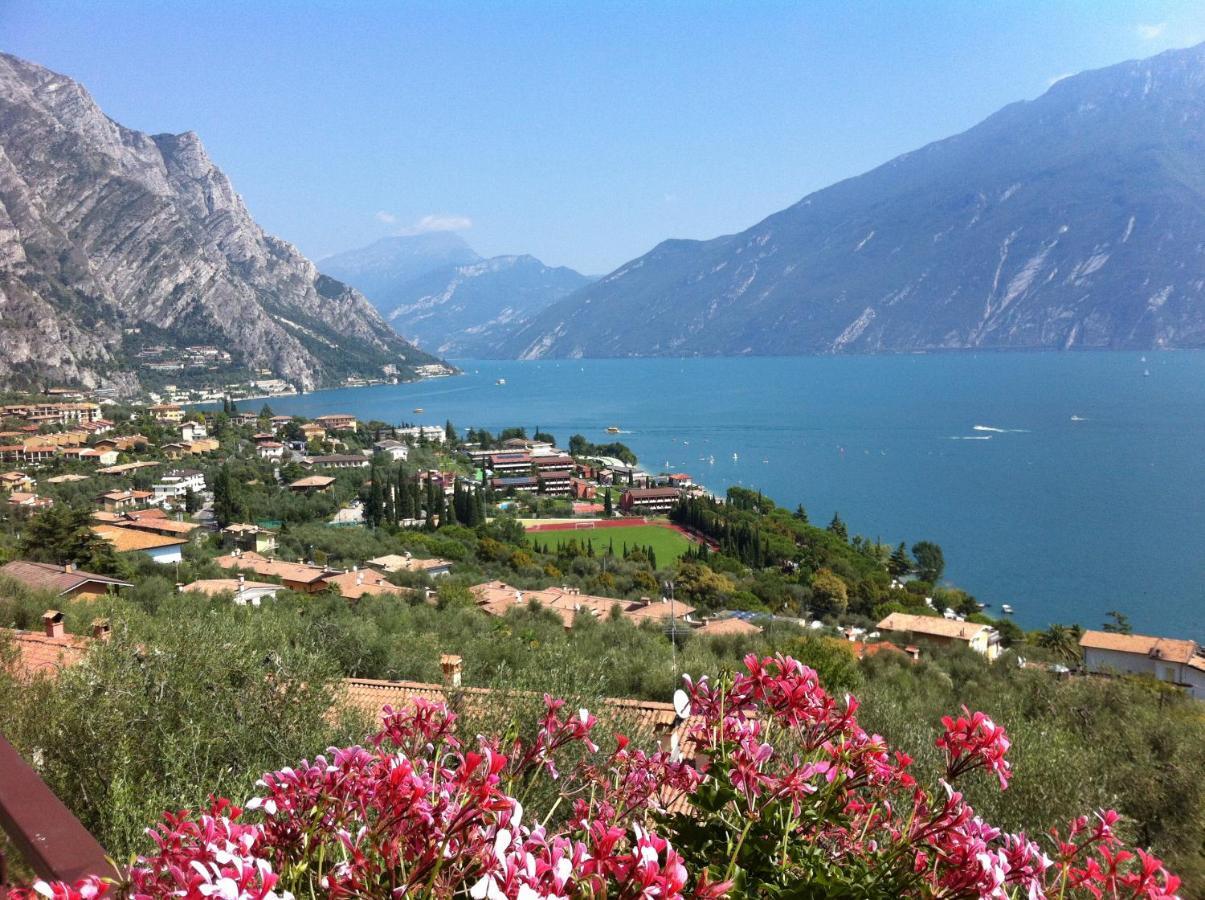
(386, 218)
(438, 222)
(1057, 78)
(1150, 32)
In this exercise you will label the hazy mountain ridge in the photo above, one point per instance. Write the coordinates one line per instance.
(472, 310)
(379, 270)
(104, 229)
(1071, 221)
(440, 293)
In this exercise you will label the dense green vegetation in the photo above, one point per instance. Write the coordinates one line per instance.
(580, 446)
(194, 695)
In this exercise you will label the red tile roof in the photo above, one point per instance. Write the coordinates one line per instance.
(127, 540)
(1170, 649)
(38, 654)
(934, 626)
(275, 568)
(60, 580)
(731, 625)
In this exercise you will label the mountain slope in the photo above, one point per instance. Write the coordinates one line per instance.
(381, 268)
(471, 310)
(1076, 220)
(105, 230)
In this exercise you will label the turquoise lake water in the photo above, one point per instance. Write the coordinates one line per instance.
(1063, 518)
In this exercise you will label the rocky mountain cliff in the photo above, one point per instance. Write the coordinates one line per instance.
(1076, 220)
(105, 231)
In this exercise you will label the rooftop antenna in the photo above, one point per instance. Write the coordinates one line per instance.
(673, 627)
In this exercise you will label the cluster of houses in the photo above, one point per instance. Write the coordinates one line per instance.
(497, 598)
(165, 359)
(87, 438)
(1174, 661)
(307, 578)
(522, 465)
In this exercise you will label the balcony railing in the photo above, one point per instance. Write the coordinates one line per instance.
(49, 838)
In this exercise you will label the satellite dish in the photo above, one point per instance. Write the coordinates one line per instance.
(681, 703)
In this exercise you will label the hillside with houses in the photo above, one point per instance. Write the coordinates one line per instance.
(381, 563)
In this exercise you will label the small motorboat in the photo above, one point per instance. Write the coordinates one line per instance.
(1006, 609)
(612, 429)
(418, 409)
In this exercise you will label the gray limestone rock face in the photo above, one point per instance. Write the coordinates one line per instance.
(104, 229)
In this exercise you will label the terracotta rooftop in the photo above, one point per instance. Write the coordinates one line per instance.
(39, 654)
(213, 586)
(313, 481)
(275, 568)
(1170, 649)
(147, 514)
(354, 585)
(59, 579)
(935, 626)
(371, 696)
(157, 525)
(127, 540)
(396, 562)
(244, 528)
(731, 625)
(497, 598)
(862, 649)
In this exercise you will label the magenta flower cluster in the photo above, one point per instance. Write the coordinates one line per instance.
(773, 785)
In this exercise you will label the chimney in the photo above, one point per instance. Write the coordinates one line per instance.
(913, 652)
(102, 630)
(69, 567)
(452, 666)
(52, 623)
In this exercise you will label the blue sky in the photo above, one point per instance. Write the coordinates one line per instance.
(582, 133)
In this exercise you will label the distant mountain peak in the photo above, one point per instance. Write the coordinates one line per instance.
(450, 301)
(379, 268)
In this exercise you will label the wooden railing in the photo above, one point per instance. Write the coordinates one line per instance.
(49, 838)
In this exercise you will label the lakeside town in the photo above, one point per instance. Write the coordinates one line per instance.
(153, 483)
(189, 597)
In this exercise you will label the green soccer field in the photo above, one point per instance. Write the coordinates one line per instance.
(666, 543)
